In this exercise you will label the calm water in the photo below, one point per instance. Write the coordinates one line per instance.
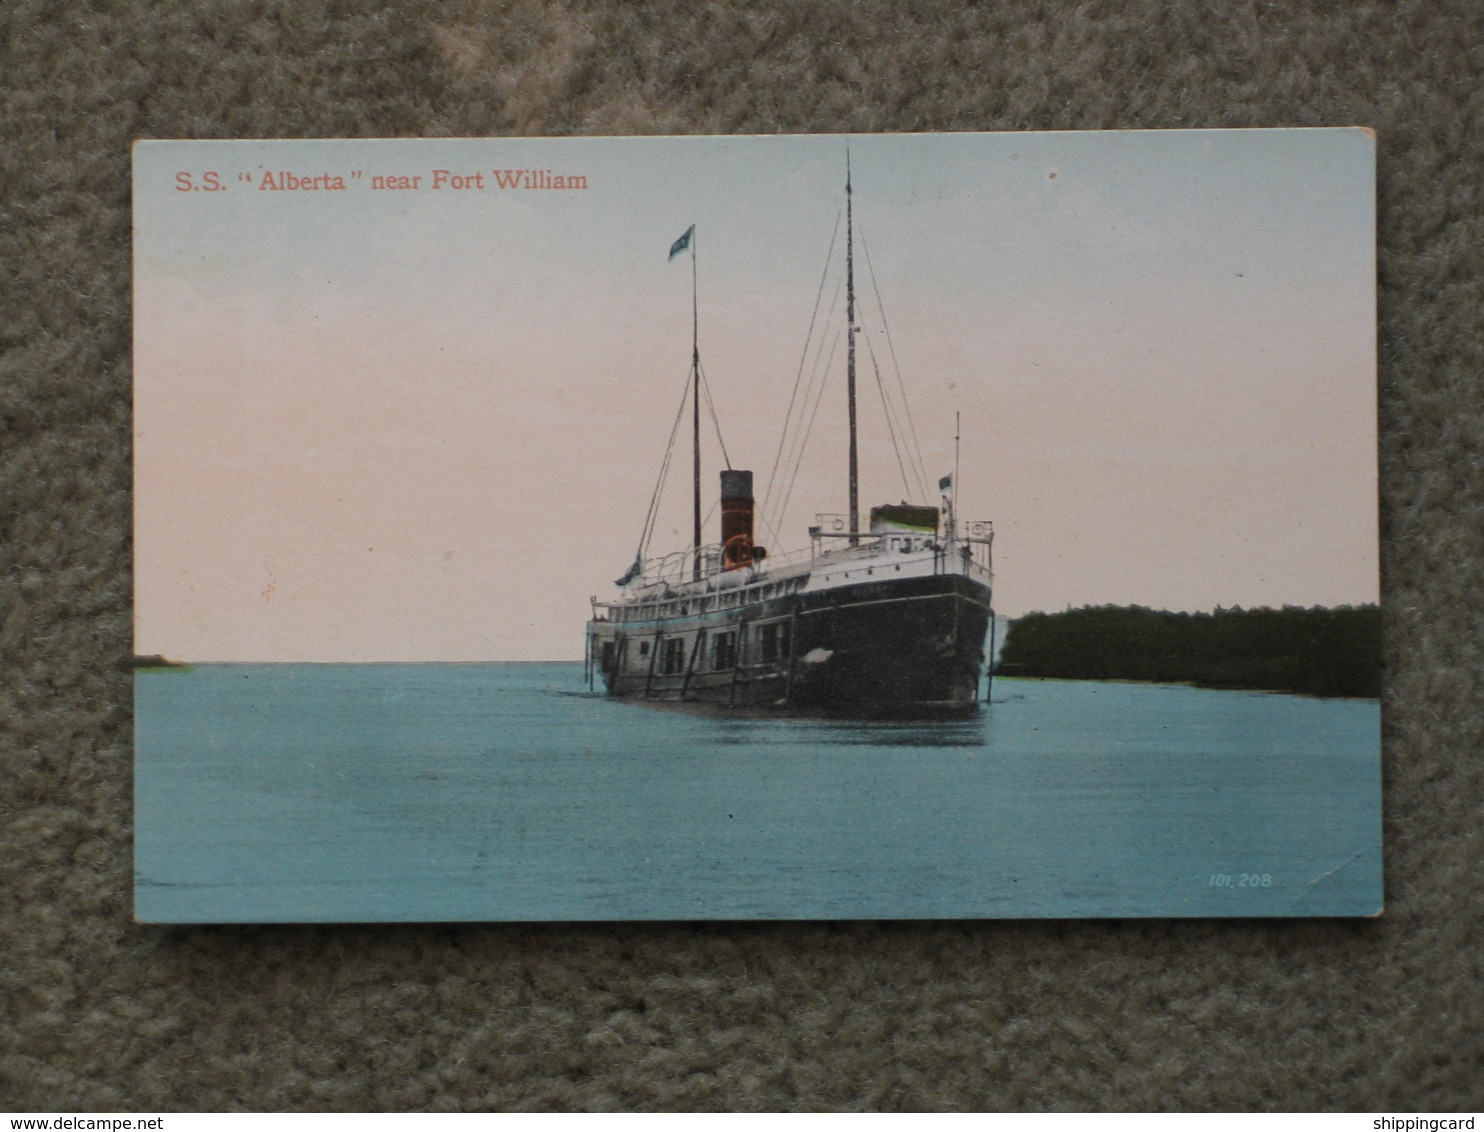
(482, 792)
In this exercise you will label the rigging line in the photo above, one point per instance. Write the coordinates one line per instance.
(891, 428)
(773, 533)
(803, 358)
(649, 520)
(793, 434)
(909, 431)
(808, 339)
(795, 451)
(715, 423)
(653, 517)
(818, 400)
(653, 509)
(794, 477)
(813, 387)
(707, 519)
(892, 414)
(916, 449)
(659, 486)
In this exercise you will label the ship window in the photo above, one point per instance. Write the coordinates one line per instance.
(672, 656)
(724, 650)
(607, 654)
(643, 648)
(773, 641)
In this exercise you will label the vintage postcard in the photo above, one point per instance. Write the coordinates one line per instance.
(883, 526)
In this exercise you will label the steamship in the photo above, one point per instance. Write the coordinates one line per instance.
(889, 620)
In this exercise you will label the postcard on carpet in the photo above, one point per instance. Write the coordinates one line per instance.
(824, 527)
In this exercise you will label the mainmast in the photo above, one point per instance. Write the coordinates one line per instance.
(695, 367)
(850, 354)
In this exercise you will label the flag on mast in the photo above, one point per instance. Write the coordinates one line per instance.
(945, 483)
(681, 244)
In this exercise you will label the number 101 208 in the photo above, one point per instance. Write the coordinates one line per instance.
(1241, 880)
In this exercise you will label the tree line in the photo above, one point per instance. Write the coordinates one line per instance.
(1315, 651)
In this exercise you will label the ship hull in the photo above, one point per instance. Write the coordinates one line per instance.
(909, 647)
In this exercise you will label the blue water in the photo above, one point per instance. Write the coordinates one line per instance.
(508, 792)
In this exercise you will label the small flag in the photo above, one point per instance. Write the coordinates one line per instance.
(631, 573)
(945, 483)
(681, 244)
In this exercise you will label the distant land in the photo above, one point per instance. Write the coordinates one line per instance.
(1315, 651)
(154, 660)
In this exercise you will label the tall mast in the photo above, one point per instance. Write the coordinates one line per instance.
(850, 352)
(695, 366)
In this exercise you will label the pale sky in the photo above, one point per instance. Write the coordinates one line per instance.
(425, 424)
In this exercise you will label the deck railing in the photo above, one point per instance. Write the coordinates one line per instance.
(830, 536)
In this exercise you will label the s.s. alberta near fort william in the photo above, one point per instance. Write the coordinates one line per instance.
(887, 620)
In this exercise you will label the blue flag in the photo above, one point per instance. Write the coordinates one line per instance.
(681, 244)
(945, 483)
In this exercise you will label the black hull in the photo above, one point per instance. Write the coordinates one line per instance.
(910, 647)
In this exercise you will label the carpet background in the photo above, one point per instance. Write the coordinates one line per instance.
(97, 1013)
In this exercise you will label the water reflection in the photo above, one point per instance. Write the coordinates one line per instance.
(728, 726)
(851, 733)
